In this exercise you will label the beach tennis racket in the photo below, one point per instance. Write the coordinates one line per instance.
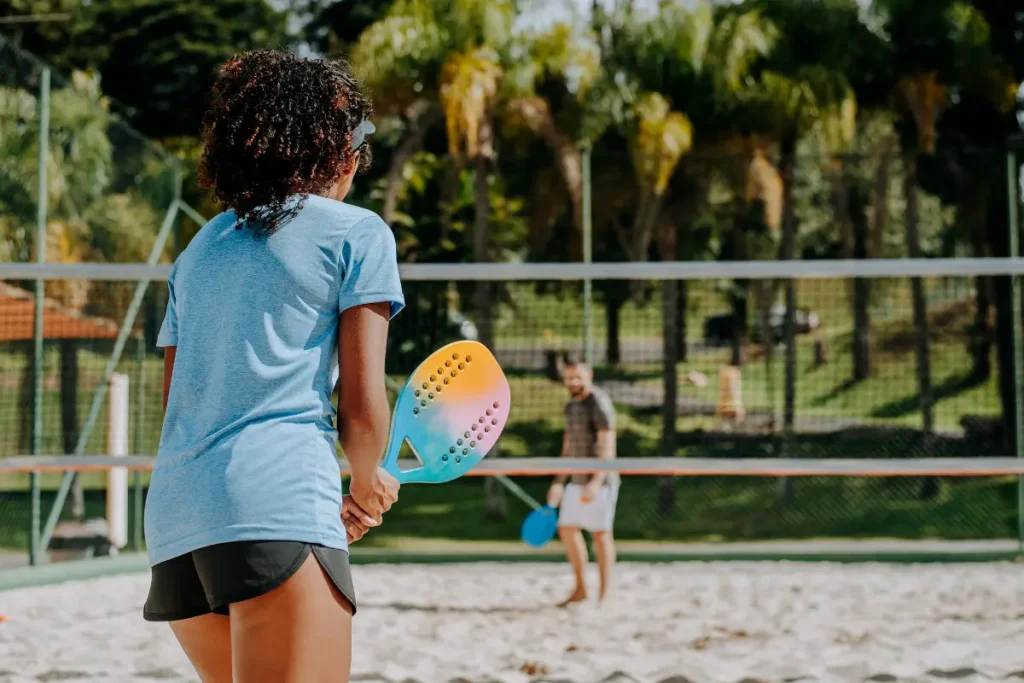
(451, 412)
(539, 527)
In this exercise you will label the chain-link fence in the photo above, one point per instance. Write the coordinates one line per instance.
(853, 373)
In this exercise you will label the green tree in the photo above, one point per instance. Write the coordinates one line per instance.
(42, 27)
(159, 58)
(926, 45)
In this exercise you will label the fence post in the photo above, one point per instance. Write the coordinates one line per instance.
(139, 439)
(117, 447)
(1018, 343)
(35, 547)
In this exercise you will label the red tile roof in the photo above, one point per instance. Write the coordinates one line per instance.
(17, 313)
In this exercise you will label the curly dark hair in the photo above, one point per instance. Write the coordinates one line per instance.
(279, 125)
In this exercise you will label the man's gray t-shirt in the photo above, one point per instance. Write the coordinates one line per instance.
(584, 418)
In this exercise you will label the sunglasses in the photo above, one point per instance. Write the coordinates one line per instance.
(361, 133)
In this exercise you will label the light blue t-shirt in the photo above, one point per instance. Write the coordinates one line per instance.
(248, 448)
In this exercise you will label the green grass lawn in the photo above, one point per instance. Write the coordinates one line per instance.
(705, 509)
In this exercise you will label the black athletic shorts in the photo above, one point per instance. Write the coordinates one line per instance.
(211, 578)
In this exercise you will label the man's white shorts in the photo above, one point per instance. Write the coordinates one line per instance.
(597, 515)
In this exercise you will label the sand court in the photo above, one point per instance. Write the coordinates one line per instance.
(668, 623)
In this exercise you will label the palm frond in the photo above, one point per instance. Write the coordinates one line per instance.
(660, 139)
(738, 41)
(469, 84)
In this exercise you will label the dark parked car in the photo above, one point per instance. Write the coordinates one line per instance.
(718, 329)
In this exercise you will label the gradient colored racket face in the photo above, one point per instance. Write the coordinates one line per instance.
(539, 527)
(451, 411)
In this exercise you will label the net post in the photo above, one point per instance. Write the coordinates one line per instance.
(117, 447)
(588, 248)
(1018, 344)
(35, 546)
(139, 439)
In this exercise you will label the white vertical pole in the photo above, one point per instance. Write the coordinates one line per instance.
(117, 446)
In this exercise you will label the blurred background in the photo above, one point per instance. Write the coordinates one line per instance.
(555, 131)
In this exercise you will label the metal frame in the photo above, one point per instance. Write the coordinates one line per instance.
(518, 272)
(1013, 184)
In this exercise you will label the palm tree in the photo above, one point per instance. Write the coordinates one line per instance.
(560, 64)
(681, 74)
(790, 105)
(923, 98)
(429, 60)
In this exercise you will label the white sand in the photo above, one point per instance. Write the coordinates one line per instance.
(670, 623)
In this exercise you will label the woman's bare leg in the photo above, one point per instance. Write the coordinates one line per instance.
(206, 641)
(300, 632)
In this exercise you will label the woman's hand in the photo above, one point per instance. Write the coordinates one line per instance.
(374, 494)
(355, 519)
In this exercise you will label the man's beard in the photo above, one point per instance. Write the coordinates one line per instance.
(578, 391)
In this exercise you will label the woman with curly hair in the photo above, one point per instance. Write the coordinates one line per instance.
(246, 525)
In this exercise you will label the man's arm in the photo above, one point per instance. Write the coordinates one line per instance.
(605, 451)
(604, 425)
(560, 479)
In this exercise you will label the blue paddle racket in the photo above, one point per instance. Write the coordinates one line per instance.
(451, 411)
(540, 526)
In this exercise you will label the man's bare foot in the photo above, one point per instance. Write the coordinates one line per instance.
(579, 595)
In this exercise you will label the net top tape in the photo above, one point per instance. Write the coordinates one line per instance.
(680, 467)
(677, 270)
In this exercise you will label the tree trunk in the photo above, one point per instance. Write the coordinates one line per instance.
(535, 112)
(867, 243)
(788, 253)
(614, 298)
(929, 487)
(420, 125)
(638, 243)
(972, 214)
(853, 242)
(998, 235)
(737, 357)
(738, 298)
(669, 332)
(69, 416)
(981, 337)
(861, 306)
(682, 303)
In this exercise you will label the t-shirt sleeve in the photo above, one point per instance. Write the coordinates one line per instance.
(604, 412)
(168, 335)
(369, 267)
